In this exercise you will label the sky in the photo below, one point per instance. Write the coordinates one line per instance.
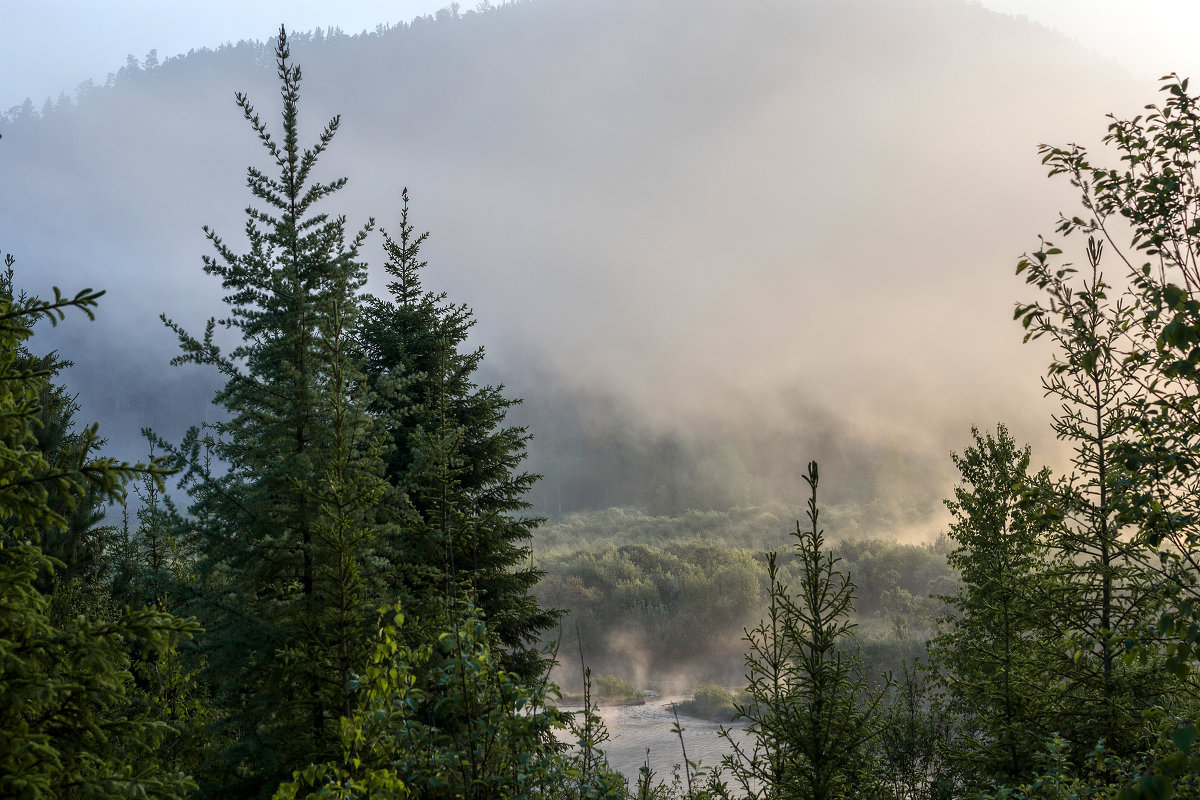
(52, 46)
(1155, 36)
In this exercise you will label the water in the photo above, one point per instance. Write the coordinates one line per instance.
(635, 729)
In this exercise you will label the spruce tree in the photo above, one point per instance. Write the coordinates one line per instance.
(1105, 592)
(80, 544)
(283, 538)
(453, 460)
(68, 727)
(813, 713)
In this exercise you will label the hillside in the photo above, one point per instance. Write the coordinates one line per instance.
(701, 237)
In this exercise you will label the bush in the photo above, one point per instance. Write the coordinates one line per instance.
(405, 735)
(712, 701)
(613, 688)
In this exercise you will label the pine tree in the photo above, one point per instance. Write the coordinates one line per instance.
(1105, 593)
(813, 714)
(282, 539)
(67, 725)
(454, 461)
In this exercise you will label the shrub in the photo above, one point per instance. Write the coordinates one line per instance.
(711, 701)
(611, 687)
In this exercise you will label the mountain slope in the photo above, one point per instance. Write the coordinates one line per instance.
(706, 240)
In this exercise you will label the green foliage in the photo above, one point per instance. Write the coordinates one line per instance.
(993, 654)
(675, 607)
(79, 544)
(452, 458)
(713, 701)
(683, 606)
(615, 688)
(1131, 364)
(916, 730)
(283, 539)
(813, 714)
(502, 745)
(67, 724)
(1149, 202)
(1103, 592)
(1055, 777)
(752, 527)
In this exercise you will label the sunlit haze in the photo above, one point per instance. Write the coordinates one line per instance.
(53, 45)
(705, 240)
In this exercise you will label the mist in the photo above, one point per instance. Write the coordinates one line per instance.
(705, 241)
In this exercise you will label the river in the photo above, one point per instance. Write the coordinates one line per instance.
(633, 730)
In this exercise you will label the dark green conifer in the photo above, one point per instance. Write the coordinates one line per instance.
(813, 714)
(67, 725)
(453, 459)
(1106, 592)
(282, 539)
(995, 653)
(80, 544)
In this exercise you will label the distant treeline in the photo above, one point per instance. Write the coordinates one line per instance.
(680, 606)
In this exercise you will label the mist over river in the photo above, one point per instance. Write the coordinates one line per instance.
(633, 730)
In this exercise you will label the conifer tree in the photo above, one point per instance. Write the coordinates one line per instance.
(1105, 594)
(454, 461)
(282, 539)
(67, 725)
(813, 714)
(80, 544)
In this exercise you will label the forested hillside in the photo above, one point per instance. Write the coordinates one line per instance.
(695, 232)
(675, 611)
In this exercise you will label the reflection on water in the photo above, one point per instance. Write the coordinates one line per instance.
(634, 729)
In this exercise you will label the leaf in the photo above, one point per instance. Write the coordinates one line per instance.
(1154, 787)
(1088, 362)
(1183, 737)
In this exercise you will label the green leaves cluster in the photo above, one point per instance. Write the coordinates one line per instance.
(1124, 524)
(501, 741)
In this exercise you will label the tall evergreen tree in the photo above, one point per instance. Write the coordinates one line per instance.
(454, 461)
(1105, 593)
(283, 537)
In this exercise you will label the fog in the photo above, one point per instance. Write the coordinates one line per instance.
(706, 241)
